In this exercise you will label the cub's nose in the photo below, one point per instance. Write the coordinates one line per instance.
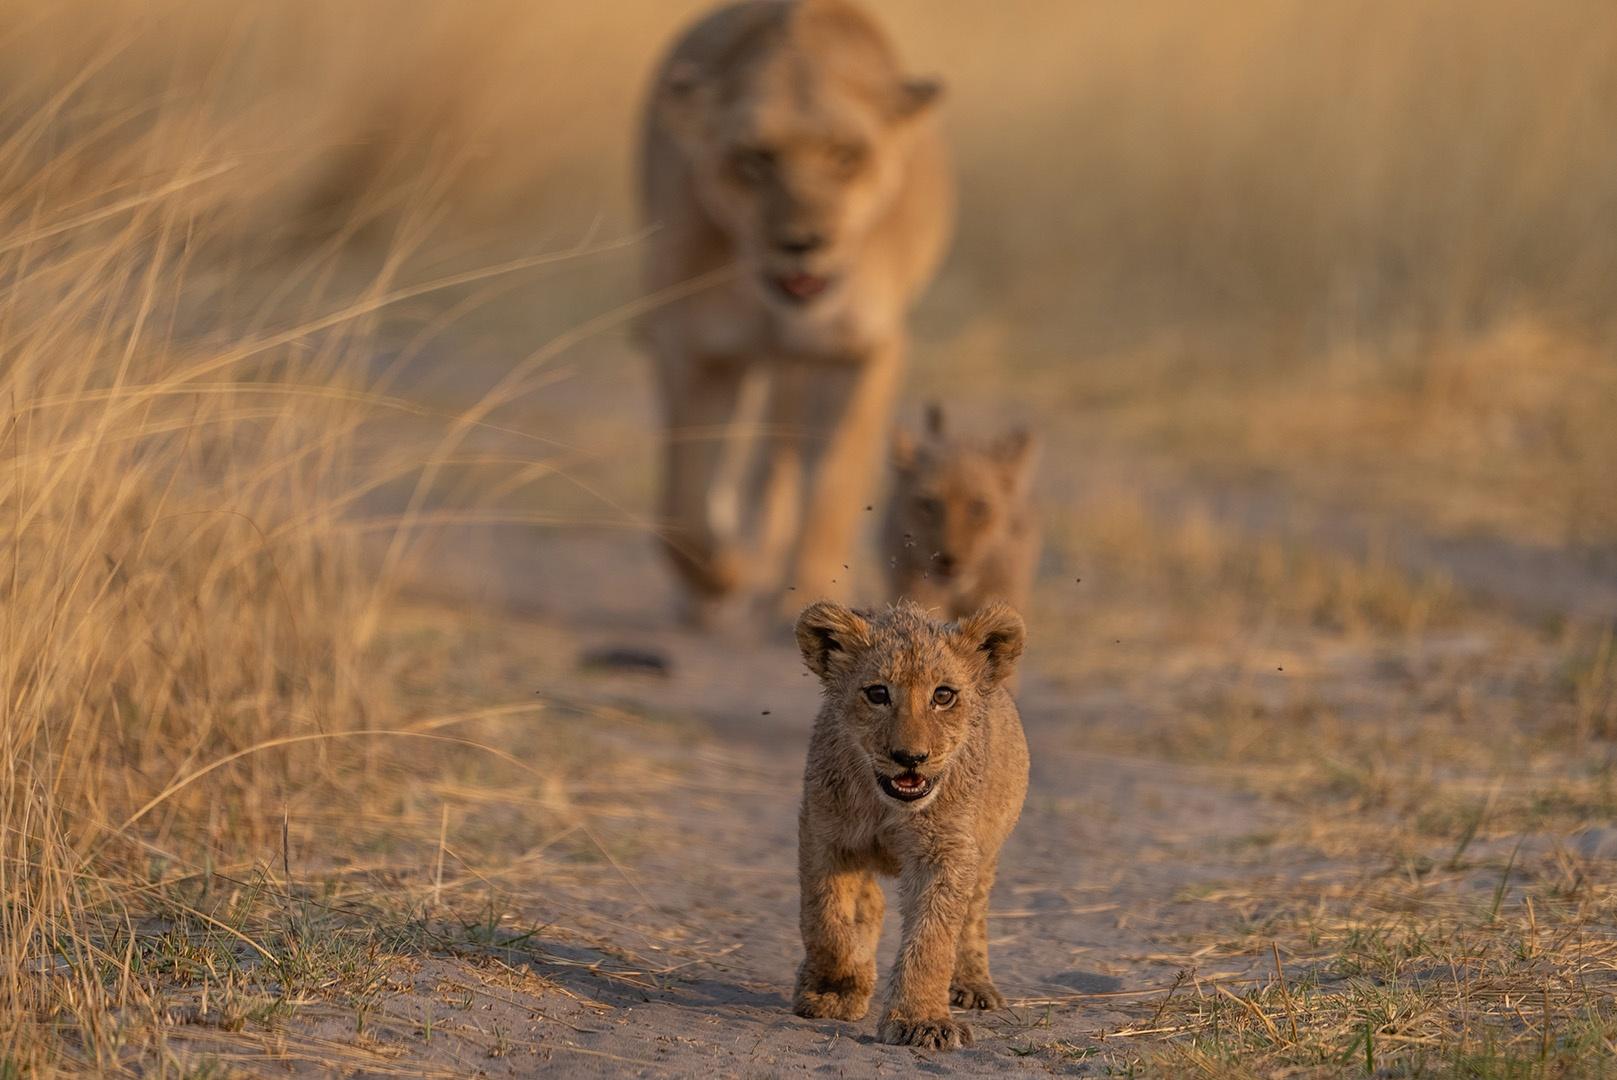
(802, 243)
(906, 758)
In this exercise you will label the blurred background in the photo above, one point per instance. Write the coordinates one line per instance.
(322, 436)
(1357, 247)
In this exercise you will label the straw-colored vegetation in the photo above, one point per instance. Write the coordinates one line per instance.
(1360, 251)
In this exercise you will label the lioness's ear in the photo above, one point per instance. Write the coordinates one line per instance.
(828, 635)
(681, 78)
(681, 94)
(1018, 453)
(995, 632)
(916, 96)
(905, 451)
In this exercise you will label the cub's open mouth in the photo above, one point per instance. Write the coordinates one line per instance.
(905, 787)
(799, 287)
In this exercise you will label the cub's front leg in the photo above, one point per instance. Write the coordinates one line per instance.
(973, 987)
(935, 897)
(841, 919)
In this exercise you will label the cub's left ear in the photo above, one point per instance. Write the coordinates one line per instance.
(916, 97)
(996, 633)
(828, 635)
(1018, 454)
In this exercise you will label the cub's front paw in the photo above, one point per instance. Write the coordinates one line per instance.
(976, 995)
(935, 1034)
(831, 1002)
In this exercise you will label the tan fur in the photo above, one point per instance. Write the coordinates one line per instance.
(943, 847)
(782, 140)
(960, 528)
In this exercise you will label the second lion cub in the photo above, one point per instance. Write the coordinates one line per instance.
(917, 768)
(960, 528)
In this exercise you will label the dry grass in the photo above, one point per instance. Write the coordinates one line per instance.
(1177, 552)
(1494, 969)
(179, 593)
(203, 668)
(1499, 433)
(1433, 902)
(1430, 902)
(1407, 943)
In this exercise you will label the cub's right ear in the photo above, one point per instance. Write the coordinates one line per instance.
(996, 634)
(828, 635)
(1018, 452)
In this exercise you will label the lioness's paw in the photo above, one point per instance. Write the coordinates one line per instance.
(976, 995)
(831, 1004)
(944, 1034)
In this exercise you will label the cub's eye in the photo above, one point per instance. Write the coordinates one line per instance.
(877, 695)
(929, 507)
(979, 509)
(944, 696)
(752, 164)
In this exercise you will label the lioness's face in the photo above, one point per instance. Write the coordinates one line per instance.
(910, 690)
(796, 166)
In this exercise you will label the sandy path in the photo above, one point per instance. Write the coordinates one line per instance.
(1086, 912)
(680, 960)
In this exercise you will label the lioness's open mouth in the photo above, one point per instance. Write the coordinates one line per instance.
(800, 287)
(905, 787)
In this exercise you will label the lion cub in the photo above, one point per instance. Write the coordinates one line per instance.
(960, 528)
(917, 768)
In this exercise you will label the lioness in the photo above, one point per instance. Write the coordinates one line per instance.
(782, 141)
(960, 529)
(917, 767)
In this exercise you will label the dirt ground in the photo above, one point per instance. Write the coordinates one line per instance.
(1157, 845)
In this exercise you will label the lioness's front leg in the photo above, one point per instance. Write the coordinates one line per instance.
(935, 896)
(841, 918)
(847, 411)
(700, 396)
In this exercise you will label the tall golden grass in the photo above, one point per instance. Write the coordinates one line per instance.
(178, 582)
(196, 593)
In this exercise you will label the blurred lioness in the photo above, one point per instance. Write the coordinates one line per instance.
(791, 171)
